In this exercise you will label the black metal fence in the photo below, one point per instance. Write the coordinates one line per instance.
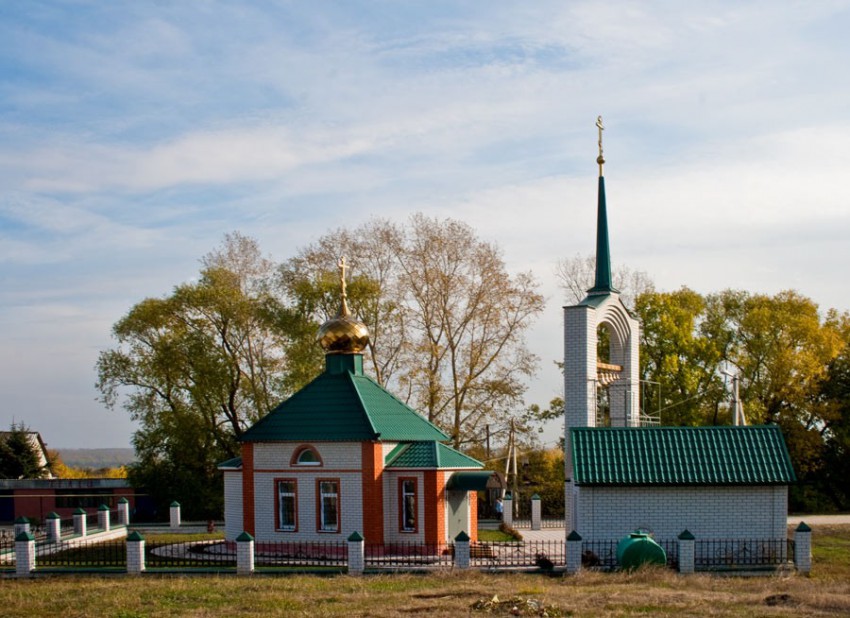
(190, 554)
(82, 554)
(7, 551)
(409, 555)
(602, 554)
(740, 553)
(543, 555)
(318, 554)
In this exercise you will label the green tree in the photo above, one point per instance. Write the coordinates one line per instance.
(196, 368)
(446, 317)
(679, 357)
(834, 481)
(19, 457)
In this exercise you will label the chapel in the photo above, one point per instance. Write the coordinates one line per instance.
(343, 455)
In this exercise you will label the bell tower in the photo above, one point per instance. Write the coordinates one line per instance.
(601, 362)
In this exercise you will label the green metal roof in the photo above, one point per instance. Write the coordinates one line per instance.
(472, 480)
(429, 455)
(342, 404)
(680, 456)
(231, 464)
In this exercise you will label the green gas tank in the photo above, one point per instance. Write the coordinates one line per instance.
(638, 549)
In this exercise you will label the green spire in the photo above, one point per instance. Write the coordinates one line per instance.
(602, 285)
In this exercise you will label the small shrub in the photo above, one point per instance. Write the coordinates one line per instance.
(510, 531)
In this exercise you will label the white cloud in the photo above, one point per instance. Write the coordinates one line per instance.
(132, 138)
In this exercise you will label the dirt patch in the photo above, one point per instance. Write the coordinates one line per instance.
(779, 599)
(446, 595)
(518, 606)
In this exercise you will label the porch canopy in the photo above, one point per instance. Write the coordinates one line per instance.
(469, 480)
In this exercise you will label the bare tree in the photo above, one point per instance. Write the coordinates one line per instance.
(577, 276)
(447, 319)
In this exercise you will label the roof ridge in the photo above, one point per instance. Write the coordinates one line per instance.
(364, 410)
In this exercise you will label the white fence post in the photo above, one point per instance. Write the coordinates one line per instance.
(80, 522)
(508, 509)
(686, 552)
(24, 554)
(123, 512)
(356, 554)
(573, 552)
(244, 554)
(103, 518)
(535, 512)
(22, 524)
(174, 514)
(462, 550)
(53, 523)
(135, 553)
(803, 548)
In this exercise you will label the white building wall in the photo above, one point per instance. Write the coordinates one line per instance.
(232, 504)
(340, 461)
(708, 512)
(392, 532)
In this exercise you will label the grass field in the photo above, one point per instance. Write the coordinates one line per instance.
(650, 592)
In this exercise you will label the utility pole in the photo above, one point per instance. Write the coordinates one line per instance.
(487, 427)
(515, 492)
(737, 404)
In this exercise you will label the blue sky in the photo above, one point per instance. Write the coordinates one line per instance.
(134, 135)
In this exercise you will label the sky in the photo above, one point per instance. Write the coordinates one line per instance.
(134, 135)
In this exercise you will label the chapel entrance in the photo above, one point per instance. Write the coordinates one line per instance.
(458, 507)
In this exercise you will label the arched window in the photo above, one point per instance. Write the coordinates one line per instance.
(306, 456)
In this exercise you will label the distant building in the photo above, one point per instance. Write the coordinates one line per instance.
(38, 446)
(36, 498)
(344, 455)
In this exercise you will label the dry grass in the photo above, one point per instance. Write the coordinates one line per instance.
(652, 592)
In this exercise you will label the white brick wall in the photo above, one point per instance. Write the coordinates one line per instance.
(233, 526)
(392, 534)
(277, 455)
(708, 512)
(340, 461)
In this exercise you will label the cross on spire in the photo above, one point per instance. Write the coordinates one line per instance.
(343, 266)
(600, 159)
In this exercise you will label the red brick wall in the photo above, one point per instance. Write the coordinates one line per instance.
(248, 488)
(434, 495)
(373, 492)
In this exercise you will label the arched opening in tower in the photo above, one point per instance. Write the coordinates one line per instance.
(608, 377)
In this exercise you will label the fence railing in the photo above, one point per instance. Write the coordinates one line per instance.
(82, 554)
(733, 553)
(544, 555)
(190, 554)
(602, 554)
(7, 551)
(301, 554)
(544, 523)
(409, 555)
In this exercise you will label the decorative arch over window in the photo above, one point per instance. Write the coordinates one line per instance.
(306, 455)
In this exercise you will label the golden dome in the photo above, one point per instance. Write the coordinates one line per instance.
(343, 334)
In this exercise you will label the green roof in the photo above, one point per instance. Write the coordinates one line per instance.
(231, 464)
(680, 456)
(470, 480)
(429, 455)
(343, 405)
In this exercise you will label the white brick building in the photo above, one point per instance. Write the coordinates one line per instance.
(624, 473)
(343, 455)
